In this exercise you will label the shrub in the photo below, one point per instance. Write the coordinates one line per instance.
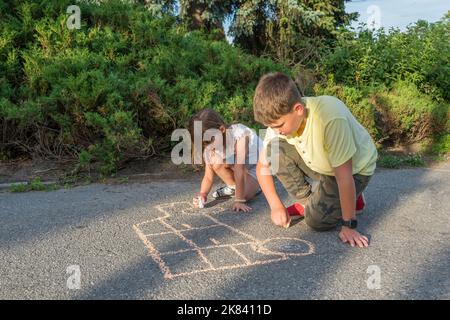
(406, 115)
(421, 56)
(356, 99)
(401, 115)
(116, 88)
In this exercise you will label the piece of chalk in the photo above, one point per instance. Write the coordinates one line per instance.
(201, 204)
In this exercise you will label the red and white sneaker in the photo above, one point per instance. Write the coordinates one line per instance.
(296, 211)
(360, 204)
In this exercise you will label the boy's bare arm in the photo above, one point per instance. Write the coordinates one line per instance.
(265, 180)
(279, 214)
(347, 191)
(347, 197)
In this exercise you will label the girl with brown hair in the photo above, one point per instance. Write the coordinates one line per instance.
(228, 151)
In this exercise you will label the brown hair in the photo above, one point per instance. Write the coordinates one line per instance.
(210, 119)
(275, 96)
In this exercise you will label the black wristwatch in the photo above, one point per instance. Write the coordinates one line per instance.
(352, 224)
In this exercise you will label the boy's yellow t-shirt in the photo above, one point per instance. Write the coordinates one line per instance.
(331, 137)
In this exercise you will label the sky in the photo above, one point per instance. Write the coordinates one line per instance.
(397, 13)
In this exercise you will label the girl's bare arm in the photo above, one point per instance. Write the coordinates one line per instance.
(208, 180)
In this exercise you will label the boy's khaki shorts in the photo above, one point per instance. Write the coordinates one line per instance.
(322, 206)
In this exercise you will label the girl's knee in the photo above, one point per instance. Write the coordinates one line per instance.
(216, 167)
(215, 163)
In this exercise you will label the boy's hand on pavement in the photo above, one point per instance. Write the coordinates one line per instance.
(353, 237)
(239, 206)
(195, 200)
(280, 217)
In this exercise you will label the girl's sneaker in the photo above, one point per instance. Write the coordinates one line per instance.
(225, 191)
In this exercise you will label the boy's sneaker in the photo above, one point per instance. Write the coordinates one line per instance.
(360, 204)
(225, 191)
(296, 211)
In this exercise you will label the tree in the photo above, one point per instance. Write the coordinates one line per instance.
(197, 14)
(283, 27)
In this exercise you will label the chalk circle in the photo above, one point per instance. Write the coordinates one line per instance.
(287, 246)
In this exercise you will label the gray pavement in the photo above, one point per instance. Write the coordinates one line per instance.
(144, 241)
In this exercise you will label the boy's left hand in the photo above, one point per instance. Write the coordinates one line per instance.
(238, 206)
(353, 237)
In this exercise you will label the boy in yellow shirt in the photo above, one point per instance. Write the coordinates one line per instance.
(315, 138)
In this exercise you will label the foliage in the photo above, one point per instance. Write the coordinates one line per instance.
(396, 83)
(137, 69)
(421, 56)
(286, 30)
(395, 161)
(399, 115)
(116, 88)
(34, 185)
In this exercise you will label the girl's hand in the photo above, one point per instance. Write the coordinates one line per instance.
(239, 206)
(195, 199)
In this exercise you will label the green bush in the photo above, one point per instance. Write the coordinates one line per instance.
(117, 87)
(421, 56)
(395, 83)
(401, 115)
(356, 99)
(407, 115)
(441, 145)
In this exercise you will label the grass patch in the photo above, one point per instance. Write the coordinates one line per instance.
(34, 185)
(37, 185)
(397, 161)
(19, 187)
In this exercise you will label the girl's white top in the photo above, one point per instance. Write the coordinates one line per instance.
(234, 133)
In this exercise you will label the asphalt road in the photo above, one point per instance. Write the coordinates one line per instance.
(144, 241)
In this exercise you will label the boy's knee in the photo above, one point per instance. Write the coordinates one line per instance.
(320, 224)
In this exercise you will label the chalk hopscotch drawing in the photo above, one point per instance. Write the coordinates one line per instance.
(185, 241)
